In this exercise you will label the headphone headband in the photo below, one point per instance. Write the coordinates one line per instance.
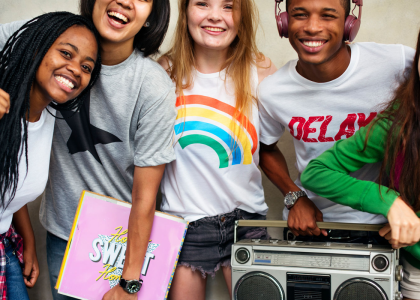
(351, 26)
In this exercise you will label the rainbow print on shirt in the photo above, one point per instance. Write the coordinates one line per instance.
(208, 121)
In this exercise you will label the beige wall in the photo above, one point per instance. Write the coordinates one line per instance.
(384, 21)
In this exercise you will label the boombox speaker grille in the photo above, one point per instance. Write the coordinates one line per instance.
(258, 286)
(360, 289)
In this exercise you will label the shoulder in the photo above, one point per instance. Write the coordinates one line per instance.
(265, 67)
(276, 81)
(155, 74)
(165, 63)
(390, 52)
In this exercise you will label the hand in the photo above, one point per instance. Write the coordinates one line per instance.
(404, 226)
(4, 103)
(117, 293)
(31, 268)
(303, 217)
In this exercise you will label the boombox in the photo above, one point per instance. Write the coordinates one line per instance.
(293, 270)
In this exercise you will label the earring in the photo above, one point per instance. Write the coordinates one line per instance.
(147, 24)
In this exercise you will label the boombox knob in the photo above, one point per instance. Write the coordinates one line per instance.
(398, 296)
(399, 274)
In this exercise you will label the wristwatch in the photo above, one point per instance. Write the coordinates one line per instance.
(291, 198)
(131, 286)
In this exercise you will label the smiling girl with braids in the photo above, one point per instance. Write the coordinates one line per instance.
(119, 142)
(52, 60)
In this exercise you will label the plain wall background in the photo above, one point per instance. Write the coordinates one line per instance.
(384, 21)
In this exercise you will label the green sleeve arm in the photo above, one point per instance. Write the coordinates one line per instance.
(328, 175)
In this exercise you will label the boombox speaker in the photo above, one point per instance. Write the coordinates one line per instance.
(293, 270)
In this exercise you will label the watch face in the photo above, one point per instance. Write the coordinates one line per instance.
(288, 199)
(133, 287)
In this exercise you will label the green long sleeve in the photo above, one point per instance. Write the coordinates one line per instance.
(328, 176)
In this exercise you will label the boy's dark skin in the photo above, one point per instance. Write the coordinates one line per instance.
(321, 20)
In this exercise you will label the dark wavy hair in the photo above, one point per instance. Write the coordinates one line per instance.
(148, 39)
(403, 139)
(19, 62)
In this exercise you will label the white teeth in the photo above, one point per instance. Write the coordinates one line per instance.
(313, 43)
(214, 29)
(118, 15)
(65, 81)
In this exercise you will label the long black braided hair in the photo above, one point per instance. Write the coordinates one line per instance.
(19, 62)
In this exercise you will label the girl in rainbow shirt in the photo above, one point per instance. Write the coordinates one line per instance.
(216, 68)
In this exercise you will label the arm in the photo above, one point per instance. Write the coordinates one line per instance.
(328, 176)
(304, 214)
(23, 226)
(145, 187)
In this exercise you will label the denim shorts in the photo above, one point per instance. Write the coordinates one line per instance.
(208, 242)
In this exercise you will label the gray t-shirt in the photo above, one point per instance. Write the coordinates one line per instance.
(126, 121)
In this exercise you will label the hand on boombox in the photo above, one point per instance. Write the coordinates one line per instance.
(303, 217)
(403, 228)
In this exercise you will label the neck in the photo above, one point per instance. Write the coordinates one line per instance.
(209, 61)
(115, 53)
(37, 104)
(328, 70)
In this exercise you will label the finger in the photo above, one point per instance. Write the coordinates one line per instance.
(388, 236)
(385, 230)
(324, 232)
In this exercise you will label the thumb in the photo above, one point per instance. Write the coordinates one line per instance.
(319, 216)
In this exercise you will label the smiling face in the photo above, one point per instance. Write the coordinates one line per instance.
(118, 21)
(316, 29)
(211, 24)
(66, 68)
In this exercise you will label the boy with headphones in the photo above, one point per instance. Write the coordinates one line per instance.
(331, 91)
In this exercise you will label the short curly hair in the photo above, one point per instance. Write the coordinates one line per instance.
(344, 3)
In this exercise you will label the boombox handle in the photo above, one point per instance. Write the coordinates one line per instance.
(321, 225)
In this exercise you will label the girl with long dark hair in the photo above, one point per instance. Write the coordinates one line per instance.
(120, 140)
(394, 138)
(47, 65)
(216, 67)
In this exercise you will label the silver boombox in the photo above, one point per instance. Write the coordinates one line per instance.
(293, 270)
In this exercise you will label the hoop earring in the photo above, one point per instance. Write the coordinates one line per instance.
(147, 24)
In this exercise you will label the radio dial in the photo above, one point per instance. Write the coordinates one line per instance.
(399, 273)
(242, 255)
(380, 263)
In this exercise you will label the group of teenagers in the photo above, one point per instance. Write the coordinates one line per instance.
(84, 107)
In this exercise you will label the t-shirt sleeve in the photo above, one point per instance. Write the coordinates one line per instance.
(328, 175)
(408, 57)
(154, 134)
(7, 30)
(270, 129)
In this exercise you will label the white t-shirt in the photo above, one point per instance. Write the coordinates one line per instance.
(32, 183)
(216, 167)
(318, 114)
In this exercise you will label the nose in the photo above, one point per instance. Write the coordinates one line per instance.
(75, 68)
(214, 14)
(313, 25)
(125, 3)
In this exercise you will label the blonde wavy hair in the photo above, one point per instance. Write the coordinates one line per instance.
(242, 55)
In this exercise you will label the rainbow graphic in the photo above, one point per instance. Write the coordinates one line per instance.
(208, 121)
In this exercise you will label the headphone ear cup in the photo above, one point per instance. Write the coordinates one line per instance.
(284, 16)
(351, 28)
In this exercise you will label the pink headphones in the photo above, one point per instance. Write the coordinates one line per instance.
(351, 27)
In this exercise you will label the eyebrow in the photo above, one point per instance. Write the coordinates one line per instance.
(77, 51)
(324, 9)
